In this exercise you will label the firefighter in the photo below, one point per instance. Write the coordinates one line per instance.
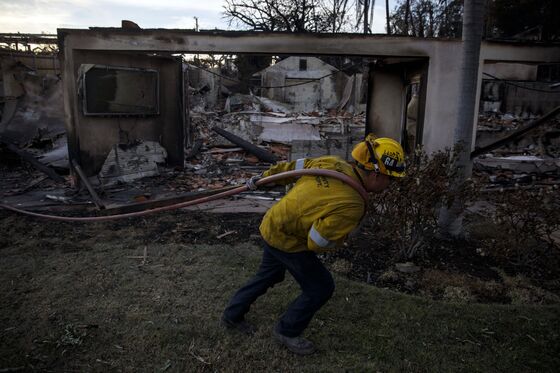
(315, 216)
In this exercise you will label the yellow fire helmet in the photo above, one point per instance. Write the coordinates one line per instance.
(381, 154)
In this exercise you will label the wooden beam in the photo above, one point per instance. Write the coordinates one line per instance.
(96, 200)
(148, 205)
(28, 157)
(261, 154)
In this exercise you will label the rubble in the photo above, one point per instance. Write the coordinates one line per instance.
(31, 160)
(514, 151)
(241, 102)
(285, 131)
(134, 174)
(273, 106)
(519, 164)
(126, 163)
(279, 132)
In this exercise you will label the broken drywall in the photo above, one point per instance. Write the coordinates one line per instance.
(519, 164)
(126, 163)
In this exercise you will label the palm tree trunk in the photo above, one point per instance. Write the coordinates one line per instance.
(334, 15)
(473, 22)
(406, 15)
(366, 13)
(387, 17)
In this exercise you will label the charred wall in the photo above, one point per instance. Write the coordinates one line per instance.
(95, 135)
(31, 104)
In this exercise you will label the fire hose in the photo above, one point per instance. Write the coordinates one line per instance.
(265, 180)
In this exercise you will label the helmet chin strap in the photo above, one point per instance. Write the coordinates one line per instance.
(372, 158)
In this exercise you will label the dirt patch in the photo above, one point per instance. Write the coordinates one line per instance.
(449, 270)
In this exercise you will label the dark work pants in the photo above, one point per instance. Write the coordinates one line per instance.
(314, 279)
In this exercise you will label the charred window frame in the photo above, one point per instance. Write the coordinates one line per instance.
(120, 91)
(549, 72)
(302, 64)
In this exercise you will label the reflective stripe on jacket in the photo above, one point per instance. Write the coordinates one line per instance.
(317, 213)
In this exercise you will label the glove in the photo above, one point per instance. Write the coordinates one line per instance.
(251, 184)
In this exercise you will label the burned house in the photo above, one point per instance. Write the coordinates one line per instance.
(114, 296)
(127, 91)
(397, 62)
(520, 89)
(205, 87)
(307, 83)
(513, 95)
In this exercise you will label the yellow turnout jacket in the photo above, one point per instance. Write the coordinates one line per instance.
(318, 212)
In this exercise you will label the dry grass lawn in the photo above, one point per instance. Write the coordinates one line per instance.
(79, 298)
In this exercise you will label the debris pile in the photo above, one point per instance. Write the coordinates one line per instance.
(129, 162)
(230, 137)
(532, 160)
(228, 147)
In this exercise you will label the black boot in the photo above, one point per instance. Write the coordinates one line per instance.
(298, 345)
